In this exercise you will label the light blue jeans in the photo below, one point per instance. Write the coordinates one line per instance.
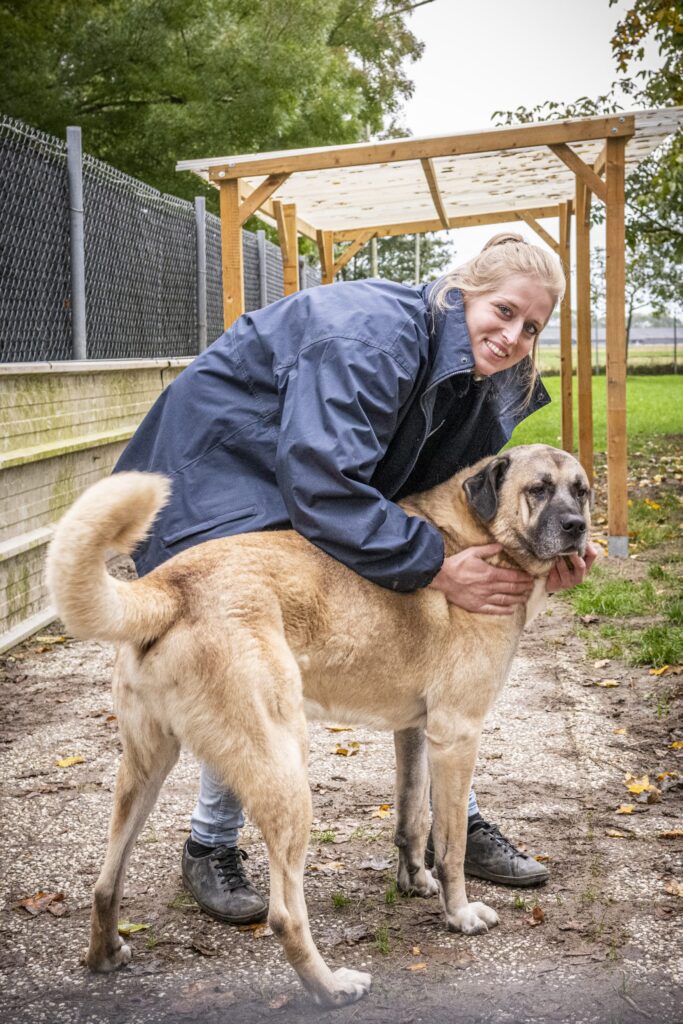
(218, 816)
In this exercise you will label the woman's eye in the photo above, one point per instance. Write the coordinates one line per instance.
(531, 329)
(505, 310)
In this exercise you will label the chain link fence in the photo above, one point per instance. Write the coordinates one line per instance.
(140, 254)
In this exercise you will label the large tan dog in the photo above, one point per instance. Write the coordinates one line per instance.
(228, 646)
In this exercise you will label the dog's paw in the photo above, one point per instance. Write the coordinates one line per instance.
(472, 919)
(422, 884)
(105, 962)
(348, 987)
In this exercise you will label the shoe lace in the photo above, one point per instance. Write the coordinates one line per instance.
(229, 861)
(494, 832)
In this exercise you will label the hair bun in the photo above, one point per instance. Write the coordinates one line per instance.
(503, 239)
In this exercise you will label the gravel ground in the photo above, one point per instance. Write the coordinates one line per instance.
(551, 773)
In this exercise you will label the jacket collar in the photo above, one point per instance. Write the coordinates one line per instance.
(451, 353)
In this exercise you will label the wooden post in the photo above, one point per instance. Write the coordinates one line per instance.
(231, 252)
(326, 250)
(286, 226)
(565, 212)
(584, 369)
(615, 344)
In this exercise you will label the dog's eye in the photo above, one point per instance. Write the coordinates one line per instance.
(537, 491)
(581, 493)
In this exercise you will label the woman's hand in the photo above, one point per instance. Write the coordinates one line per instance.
(468, 581)
(562, 577)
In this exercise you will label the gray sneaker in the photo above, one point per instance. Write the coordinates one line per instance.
(220, 886)
(491, 856)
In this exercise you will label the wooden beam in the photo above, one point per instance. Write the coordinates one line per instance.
(286, 229)
(617, 473)
(582, 170)
(393, 150)
(599, 165)
(541, 231)
(260, 194)
(266, 212)
(325, 241)
(419, 227)
(564, 211)
(584, 367)
(437, 198)
(351, 251)
(231, 253)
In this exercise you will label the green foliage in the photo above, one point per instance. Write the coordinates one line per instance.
(657, 646)
(339, 900)
(155, 81)
(391, 893)
(654, 190)
(323, 837)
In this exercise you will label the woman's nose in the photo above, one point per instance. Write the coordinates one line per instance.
(512, 332)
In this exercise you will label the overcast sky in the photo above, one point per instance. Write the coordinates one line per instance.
(500, 54)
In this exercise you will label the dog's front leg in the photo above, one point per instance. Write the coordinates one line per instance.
(412, 813)
(452, 743)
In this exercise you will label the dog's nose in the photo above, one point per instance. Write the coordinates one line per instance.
(573, 525)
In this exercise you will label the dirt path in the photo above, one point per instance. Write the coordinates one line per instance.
(550, 773)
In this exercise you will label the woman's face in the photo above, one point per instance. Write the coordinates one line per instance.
(503, 324)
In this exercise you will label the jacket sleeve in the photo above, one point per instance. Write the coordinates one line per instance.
(340, 408)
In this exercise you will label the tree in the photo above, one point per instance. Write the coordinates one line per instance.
(396, 259)
(154, 81)
(654, 191)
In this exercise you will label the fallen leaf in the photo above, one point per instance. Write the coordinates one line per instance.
(416, 967)
(612, 833)
(200, 945)
(253, 927)
(675, 888)
(57, 909)
(326, 867)
(607, 682)
(666, 775)
(641, 786)
(50, 639)
(601, 663)
(619, 732)
(339, 728)
(674, 833)
(587, 619)
(415, 951)
(677, 744)
(625, 809)
(658, 671)
(126, 928)
(40, 902)
(345, 751)
(375, 864)
(536, 917)
(541, 857)
(355, 934)
(383, 811)
(68, 762)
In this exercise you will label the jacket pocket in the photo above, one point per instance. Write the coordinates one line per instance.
(210, 524)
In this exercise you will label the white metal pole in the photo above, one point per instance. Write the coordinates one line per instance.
(74, 163)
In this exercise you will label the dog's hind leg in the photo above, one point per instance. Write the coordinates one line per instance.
(280, 805)
(412, 812)
(148, 756)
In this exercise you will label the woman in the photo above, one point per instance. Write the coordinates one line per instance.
(319, 412)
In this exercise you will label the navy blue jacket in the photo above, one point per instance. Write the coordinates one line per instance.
(311, 413)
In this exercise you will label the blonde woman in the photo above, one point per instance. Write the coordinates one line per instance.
(318, 413)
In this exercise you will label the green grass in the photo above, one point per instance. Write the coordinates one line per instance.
(656, 646)
(391, 894)
(654, 407)
(598, 596)
(638, 355)
(323, 837)
(339, 900)
(382, 940)
(650, 526)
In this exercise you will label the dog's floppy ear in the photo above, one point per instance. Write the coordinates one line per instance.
(482, 488)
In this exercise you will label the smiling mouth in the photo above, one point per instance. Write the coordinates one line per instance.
(497, 350)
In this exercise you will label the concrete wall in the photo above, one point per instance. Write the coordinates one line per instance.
(63, 426)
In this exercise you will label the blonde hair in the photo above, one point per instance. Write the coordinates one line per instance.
(504, 255)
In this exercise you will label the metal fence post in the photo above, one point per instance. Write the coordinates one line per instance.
(262, 268)
(74, 164)
(200, 222)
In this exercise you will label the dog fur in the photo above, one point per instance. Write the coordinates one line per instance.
(229, 646)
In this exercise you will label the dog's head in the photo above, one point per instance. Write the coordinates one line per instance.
(536, 502)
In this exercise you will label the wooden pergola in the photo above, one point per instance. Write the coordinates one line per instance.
(351, 194)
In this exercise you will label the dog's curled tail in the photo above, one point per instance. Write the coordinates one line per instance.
(115, 513)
